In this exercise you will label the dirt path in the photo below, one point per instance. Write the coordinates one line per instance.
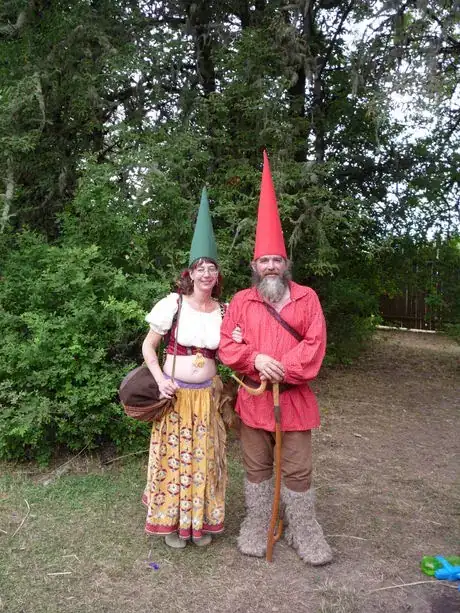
(387, 494)
(387, 486)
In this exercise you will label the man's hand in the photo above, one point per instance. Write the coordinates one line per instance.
(269, 368)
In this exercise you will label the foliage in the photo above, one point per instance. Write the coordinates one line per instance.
(430, 268)
(453, 330)
(113, 114)
(351, 311)
(70, 324)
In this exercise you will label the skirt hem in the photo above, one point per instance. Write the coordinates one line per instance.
(183, 534)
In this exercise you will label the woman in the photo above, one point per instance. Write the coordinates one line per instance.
(185, 489)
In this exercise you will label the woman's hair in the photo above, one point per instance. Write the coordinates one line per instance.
(184, 284)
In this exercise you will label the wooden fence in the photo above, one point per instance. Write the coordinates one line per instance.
(410, 310)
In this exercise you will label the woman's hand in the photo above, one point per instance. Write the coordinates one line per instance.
(237, 335)
(167, 388)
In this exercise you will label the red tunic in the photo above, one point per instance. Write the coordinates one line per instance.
(263, 334)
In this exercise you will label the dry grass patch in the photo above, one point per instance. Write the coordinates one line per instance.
(387, 490)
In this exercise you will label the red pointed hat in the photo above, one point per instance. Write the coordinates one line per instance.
(269, 234)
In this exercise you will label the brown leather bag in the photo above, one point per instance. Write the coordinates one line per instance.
(140, 396)
(139, 393)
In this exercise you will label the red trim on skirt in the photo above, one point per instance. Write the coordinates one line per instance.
(183, 534)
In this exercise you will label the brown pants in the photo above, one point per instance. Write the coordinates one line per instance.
(296, 461)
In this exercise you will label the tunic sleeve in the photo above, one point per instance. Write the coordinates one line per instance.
(302, 363)
(161, 316)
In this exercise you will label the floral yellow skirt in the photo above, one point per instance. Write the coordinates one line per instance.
(186, 479)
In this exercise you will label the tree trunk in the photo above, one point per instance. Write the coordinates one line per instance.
(297, 93)
(8, 196)
(199, 18)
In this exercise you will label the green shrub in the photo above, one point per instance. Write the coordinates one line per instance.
(351, 312)
(453, 330)
(71, 329)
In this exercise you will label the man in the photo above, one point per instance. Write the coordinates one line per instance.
(291, 355)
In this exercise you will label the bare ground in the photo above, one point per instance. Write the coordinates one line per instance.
(387, 487)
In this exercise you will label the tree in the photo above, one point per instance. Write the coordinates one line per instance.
(114, 113)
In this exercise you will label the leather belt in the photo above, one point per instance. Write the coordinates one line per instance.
(182, 350)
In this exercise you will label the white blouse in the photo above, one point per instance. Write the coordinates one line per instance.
(196, 328)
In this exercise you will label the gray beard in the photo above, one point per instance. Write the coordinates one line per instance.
(272, 288)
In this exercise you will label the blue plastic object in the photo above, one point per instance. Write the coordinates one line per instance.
(447, 572)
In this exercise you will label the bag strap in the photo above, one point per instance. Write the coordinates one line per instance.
(175, 325)
(179, 308)
(167, 336)
(274, 313)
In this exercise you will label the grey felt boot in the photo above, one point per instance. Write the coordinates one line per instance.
(252, 540)
(302, 531)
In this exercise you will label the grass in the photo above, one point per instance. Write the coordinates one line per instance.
(78, 524)
(338, 599)
(73, 542)
(83, 533)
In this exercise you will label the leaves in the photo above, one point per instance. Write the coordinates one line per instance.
(113, 115)
(68, 317)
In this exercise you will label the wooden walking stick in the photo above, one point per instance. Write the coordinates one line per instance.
(275, 529)
(254, 391)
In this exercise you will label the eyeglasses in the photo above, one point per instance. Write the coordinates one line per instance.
(211, 271)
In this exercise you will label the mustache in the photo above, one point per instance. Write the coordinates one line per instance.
(258, 278)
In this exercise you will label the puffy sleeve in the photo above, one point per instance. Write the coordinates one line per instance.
(302, 363)
(161, 316)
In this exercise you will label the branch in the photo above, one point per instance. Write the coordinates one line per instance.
(334, 38)
(124, 456)
(453, 128)
(11, 30)
(170, 21)
(41, 99)
(23, 519)
(8, 196)
(453, 41)
(392, 587)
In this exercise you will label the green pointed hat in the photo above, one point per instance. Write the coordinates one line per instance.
(203, 243)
